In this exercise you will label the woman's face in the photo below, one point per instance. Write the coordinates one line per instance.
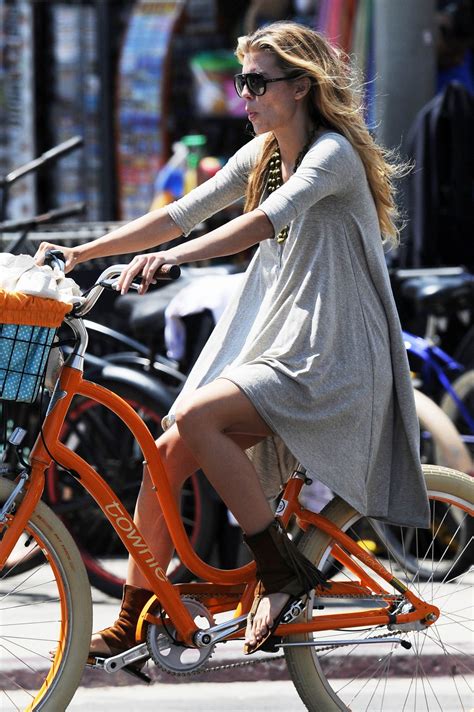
(275, 109)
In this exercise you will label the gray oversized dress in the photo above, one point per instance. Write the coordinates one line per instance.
(313, 337)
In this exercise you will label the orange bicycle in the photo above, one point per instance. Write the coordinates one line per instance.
(380, 630)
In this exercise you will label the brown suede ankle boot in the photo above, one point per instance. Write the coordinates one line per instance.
(121, 635)
(281, 568)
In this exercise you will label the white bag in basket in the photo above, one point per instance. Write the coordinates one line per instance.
(20, 273)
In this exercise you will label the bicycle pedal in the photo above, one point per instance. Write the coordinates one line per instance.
(137, 673)
(127, 659)
(97, 663)
(272, 644)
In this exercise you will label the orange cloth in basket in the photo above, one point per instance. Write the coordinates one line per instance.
(18, 308)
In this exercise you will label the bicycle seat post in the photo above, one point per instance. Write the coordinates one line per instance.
(434, 324)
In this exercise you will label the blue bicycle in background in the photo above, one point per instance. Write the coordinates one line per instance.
(435, 299)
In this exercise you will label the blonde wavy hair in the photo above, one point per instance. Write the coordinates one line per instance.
(334, 102)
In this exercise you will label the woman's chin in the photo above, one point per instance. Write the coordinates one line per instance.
(258, 128)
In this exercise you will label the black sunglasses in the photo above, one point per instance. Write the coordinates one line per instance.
(255, 82)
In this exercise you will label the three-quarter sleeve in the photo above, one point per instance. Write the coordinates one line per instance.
(223, 189)
(328, 168)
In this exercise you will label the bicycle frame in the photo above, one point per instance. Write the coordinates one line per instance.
(238, 583)
(438, 363)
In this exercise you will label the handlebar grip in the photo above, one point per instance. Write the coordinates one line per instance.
(169, 272)
(166, 273)
(63, 148)
(55, 258)
(65, 211)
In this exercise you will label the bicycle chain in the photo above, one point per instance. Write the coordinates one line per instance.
(259, 661)
(374, 597)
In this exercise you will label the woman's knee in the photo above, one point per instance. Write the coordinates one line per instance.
(175, 456)
(190, 420)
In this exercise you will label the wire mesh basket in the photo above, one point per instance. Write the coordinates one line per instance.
(28, 325)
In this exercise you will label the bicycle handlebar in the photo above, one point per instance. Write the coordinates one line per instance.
(52, 154)
(108, 280)
(50, 216)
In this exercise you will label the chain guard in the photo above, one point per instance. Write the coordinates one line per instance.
(172, 657)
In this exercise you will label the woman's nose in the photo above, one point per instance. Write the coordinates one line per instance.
(246, 93)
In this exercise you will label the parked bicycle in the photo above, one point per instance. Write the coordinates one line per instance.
(8, 180)
(381, 609)
(435, 298)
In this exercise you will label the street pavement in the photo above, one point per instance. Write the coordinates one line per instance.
(250, 688)
(276, 696)
(266, 696)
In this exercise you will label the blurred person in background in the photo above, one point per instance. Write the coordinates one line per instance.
(455, 44)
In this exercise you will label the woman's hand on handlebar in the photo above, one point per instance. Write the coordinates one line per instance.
(68, 252)
(146, 266)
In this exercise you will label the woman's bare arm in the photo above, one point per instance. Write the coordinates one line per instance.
(150, 230)
(229, 239)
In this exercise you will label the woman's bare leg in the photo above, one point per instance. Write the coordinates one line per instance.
(180, 464)
(205, 423)
(148, 515)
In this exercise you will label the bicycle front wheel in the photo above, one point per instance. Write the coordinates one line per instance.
(45, 618)
(436, 672)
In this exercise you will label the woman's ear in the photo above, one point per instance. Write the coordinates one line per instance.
(302, 87)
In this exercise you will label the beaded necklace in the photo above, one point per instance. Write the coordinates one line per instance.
(275, 177)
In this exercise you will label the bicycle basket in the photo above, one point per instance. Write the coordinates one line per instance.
(28, 325)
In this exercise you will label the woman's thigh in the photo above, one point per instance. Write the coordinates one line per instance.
(221, 406)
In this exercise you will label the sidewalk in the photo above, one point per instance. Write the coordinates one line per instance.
(275, 696)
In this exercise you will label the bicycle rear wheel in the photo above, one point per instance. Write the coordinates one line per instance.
(45, 619)
(436, 673)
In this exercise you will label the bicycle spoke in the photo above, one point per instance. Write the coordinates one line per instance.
(45, 620)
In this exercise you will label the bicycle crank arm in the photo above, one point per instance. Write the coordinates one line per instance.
(117, 662)
(340, 643)
(216, 633)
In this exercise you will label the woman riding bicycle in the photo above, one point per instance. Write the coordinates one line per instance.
(308, 362)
